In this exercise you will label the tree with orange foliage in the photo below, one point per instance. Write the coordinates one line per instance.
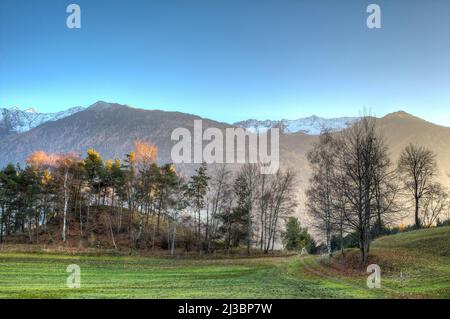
(145, 153)
(40, 159)
(64, 168)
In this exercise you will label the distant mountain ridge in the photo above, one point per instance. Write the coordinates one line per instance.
(311, 125)
(15, 120)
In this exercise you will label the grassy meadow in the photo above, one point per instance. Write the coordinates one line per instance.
(422, 257)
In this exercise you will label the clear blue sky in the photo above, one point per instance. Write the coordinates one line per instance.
(229, 59)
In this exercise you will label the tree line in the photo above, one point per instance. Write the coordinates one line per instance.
(355, 194)
(137, 203)
(356, 189)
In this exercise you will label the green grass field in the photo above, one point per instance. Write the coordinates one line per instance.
(422, 256)
(413, 265)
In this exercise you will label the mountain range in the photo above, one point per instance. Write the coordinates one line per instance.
(15, 120)
(112, 128)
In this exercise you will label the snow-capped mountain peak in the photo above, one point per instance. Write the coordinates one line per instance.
(16, 120)
(311, 125)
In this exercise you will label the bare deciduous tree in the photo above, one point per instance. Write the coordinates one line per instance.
(418, 167)
(245, 189)
(362, 161)
(435, 203)
(321, 199)
(219, 196)
(282, 203)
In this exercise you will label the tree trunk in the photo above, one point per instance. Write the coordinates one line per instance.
(112, 233)
(342, 238)
(81, 221)
(207, 223)
(378, 198)
(362, 251)
(329, 248)
(416, 213)
(88, 213)
(36, 221)
(1, 224)
(119, 224)
(154, 235)
(30, 233)
(159, 216)
(249, 232)
(174, 234)
(66, 202)
(199, 231)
